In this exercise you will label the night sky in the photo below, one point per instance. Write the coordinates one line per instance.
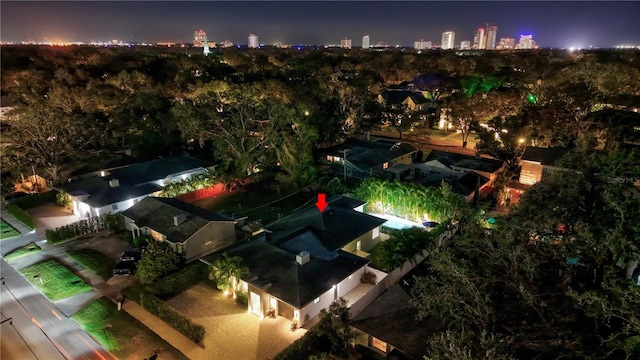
(552, 23)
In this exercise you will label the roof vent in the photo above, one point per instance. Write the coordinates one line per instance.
(303, 257)
(114, 183)
(179, 219)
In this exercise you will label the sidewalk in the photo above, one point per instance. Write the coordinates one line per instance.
(71, 305)
(166, 332)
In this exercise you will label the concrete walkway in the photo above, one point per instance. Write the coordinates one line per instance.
(110, 289)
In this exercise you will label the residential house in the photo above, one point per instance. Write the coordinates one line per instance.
(389, 325)
(188, 229)
(300, 264)
(115, 190)
(538, 163)
(404, 99)
(468, 185)
(362, 158)
(485, 167)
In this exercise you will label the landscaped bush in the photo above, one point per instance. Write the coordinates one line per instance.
(368, 278)
(21, 215)
(83, 227)
(33, 200)
(180, 281)
(241, 297)
(172, 317)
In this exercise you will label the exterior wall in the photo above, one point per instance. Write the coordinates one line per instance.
(313, 309)
(211, 237)
(350, 282)
(404, 159)
(367, 242)
(530, 172)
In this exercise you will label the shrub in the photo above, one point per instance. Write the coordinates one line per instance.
(241, 298)
(172, 317)
(82, 227)
(21, 215)
(33, 200)
(368, 278)
(179, 281)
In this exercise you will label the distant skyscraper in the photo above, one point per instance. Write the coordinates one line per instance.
(199, 38)
(465, 45)
(526, 42)
(479, 41)
(448, 39)
(422, 45)
(345, 43)
(253, 41)
(492, 34)
(506, 44)
(365, 42)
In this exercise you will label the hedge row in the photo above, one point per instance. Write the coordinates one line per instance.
(82, 227)
(180, 281)
(172, 317)
(21, 216)
(33, 200)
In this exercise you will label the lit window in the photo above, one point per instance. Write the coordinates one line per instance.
(317, 300)
(156, 235)
(385, 165)
(379, 344)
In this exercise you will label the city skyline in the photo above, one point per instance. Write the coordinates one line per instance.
(552, 23)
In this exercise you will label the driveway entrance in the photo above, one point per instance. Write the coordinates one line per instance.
(232, 333)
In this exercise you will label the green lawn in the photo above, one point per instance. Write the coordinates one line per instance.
(376, 258)
(25, 250)
(55, 280)
(8, 231)
(122, 334)
(259, 202)
(97, 262)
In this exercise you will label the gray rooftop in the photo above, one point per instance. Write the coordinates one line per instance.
(368, 154)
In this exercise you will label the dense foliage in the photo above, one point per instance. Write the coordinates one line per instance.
(556, 277)
(411, 201)
(157, 260)
(83, 227)
(269, 108)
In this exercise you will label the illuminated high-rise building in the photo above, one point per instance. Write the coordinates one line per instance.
(492, 34)
(365, 42)
(253, 41)
(465, 45)
(506, 44)
(199, 38)
(345, 43)
(479, 40)
(526, 42)
(448, 40)
(422, 45)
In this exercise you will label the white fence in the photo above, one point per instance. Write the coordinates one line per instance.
(394, 276)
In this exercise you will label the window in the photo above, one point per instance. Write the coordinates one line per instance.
(379, 345)
(385, 166)
(114, 207)
(135, 201)
(375, 233)
(156, 235)
(317, 300)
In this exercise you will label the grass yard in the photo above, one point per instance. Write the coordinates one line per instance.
(377, 258)
(55, 280)
(25, 250)
(97, 262)
(259, 202)
(8, 231)
(122, 334)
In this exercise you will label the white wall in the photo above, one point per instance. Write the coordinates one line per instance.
(312, 310)
(347, 284)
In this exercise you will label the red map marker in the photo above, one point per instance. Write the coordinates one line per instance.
(322, 202)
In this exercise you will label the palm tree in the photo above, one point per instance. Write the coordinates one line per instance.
(226, 271)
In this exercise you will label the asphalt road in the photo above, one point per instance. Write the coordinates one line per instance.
(39, 330)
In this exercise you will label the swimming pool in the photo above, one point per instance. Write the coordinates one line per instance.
(395, 222)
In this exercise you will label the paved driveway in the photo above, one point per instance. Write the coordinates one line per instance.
(231, 332)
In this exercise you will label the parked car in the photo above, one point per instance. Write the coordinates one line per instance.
(134, 256)
(124, 268)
